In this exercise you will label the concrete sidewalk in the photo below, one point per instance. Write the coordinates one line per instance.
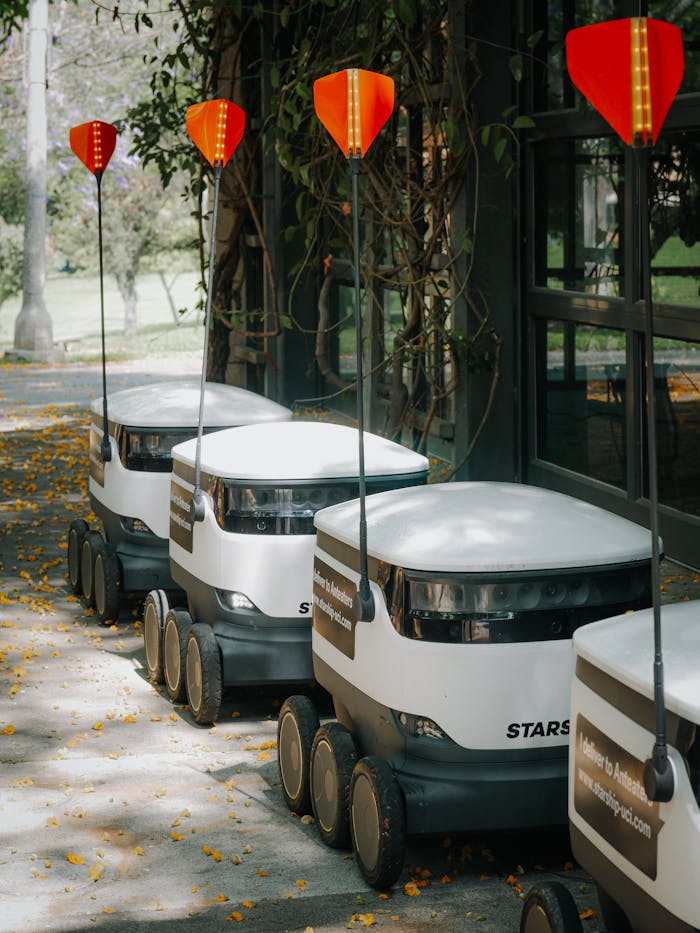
(116, 811)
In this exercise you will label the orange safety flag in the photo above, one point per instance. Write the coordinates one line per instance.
(354, 105)
(630, 70)
(216, 128)
(93, 143)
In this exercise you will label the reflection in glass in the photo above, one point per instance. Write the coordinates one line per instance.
(677, 366)
(686, 16)
(578, 211)
(582, 423)
(675, 219)
(551, 21)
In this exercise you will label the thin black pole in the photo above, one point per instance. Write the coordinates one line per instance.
(364, 606)
(658, 775)
(198, 503)
(106, 450)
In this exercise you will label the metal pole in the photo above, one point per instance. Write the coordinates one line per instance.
(198, 502)
(364, 604)
(658, 775)
(105, 450)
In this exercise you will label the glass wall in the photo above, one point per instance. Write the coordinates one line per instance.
(582, 425)
(579, 193)
(584, 297)
(677, 370)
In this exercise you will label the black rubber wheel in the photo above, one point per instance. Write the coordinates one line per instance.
(91, 541)
(296, 726)
(333, 758)
(550, 908)
(203, 673)
(77, 530)
(177, 624)
(377, 822)
(107, 582)
(155, 609)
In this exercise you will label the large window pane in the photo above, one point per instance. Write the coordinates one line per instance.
(582, 420)
(578, 212)
(675, 219)
(685, 15)
(677, 368)
(553, 19)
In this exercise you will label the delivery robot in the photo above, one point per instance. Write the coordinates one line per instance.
(245, 562)
(129, 483)
(452, 695)
(644, 855)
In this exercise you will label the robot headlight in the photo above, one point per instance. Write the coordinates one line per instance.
(277, 510)
(231, 599)
(150, 451)
(420, 726)
(468, 609)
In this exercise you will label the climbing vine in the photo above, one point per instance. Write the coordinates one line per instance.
(426, 324)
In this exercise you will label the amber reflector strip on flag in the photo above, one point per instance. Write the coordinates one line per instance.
(93, 143)
(630, 70)
(216, 128)
(354, 105)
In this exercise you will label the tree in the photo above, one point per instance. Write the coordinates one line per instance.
(420, 213)
(33, 327)
(139, 217)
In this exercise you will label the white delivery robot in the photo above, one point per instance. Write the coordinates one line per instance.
(452, 700)
(246, 564)
(643, 855)
(129, 483)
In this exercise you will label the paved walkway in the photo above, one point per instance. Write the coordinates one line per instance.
(116, 811)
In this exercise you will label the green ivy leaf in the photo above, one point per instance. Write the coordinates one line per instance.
(499, 148)
(406, 10)
(523, 123)
(515, 64)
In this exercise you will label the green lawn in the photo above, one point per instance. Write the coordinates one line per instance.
(73, 301)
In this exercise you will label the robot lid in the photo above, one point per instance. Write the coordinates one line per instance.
(176, 405)
(298, 451)
(623, 647)
(484, 527)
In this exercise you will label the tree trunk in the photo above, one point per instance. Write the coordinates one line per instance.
(126, 282)
(33, 327)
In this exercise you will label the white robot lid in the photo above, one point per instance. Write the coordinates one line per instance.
(623, 647)
(484, 527)
(176, 405)
(295, 451)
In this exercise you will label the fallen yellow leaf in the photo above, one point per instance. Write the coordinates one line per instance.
(75, 859)
(95, 872)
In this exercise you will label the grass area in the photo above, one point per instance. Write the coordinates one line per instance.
(73, 301)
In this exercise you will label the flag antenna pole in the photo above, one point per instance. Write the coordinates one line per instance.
(93, 143)
(638, 70)
(216, 128)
